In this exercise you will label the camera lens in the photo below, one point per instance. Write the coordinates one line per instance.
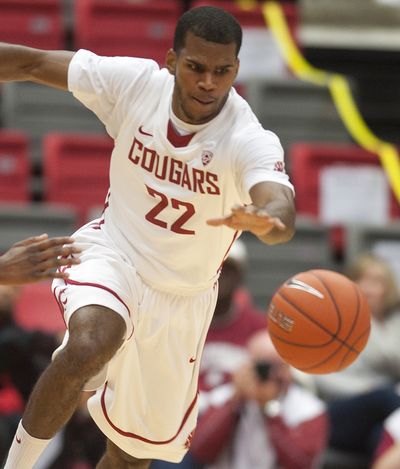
(263, 370)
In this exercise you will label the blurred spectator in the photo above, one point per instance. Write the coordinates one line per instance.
(388, 451)
(235, 320)
(356, 421)
(262, 419)
(362, 396)
(83, 443)
(378, 364)
(23, 357)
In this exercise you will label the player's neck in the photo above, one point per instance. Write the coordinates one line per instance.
(184, 128)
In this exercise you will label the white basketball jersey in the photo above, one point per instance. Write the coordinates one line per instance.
(161, 195)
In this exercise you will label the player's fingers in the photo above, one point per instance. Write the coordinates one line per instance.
(55, 242)
(219, 221)
(59, 251)
(55, 262)
(32, 240)
(56, 251)
(51, 274)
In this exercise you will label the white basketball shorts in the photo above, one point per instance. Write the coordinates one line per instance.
(146, 399)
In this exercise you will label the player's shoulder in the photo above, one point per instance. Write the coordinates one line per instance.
(116, 64)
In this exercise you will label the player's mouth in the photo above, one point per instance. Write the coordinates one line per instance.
(204, 101)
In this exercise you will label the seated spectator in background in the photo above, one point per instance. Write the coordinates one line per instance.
(23, 357)
(378, 364)
(362, 396)
(82, 443)
(387, 455)
(262, 419)
(235, 320)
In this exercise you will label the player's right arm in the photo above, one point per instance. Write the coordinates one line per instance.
(21, 63)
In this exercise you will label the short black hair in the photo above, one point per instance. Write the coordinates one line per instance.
(210, 23)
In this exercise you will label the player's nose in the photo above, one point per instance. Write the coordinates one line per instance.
(207, 82)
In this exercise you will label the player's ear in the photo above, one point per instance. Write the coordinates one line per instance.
(171, 61)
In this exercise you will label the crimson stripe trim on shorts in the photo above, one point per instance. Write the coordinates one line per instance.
(102, 287)
(57, 297)
(138, 437)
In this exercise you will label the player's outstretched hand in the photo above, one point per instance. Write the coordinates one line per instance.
(37, 258)
(249, 218)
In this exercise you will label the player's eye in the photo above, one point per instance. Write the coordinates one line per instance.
(193, 67)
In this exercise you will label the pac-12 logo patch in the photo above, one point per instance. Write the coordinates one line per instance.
(206, 157)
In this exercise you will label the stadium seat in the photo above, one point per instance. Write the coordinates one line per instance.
(14, 167)
(37, 309)
(20, 221)
(143, 29)
(296, 111)
(37, 109)
(270, 266)
(36, 23)
(76, 170)
(309, 161)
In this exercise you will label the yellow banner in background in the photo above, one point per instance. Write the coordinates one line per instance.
(339, 88)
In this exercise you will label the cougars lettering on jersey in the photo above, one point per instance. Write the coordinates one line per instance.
(173, 170)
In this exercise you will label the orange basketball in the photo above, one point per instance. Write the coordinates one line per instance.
(319, 321)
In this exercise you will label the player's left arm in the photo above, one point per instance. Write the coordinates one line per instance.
(270, 216)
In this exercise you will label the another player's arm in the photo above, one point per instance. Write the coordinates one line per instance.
(20, 63)
(37, 258)
(270, 217)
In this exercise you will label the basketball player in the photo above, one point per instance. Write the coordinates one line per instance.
(138, 306)
(35, 259)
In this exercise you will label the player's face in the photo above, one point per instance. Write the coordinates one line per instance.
(204, 73)
(374, 286)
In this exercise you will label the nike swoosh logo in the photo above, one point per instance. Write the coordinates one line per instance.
(18, 439)
(192, 360)
(299, 285)
(143, 132)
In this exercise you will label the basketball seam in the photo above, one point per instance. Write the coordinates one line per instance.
(315, 365)
(364, 332)
(323, 328)
(338, 309)
(338, 315)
